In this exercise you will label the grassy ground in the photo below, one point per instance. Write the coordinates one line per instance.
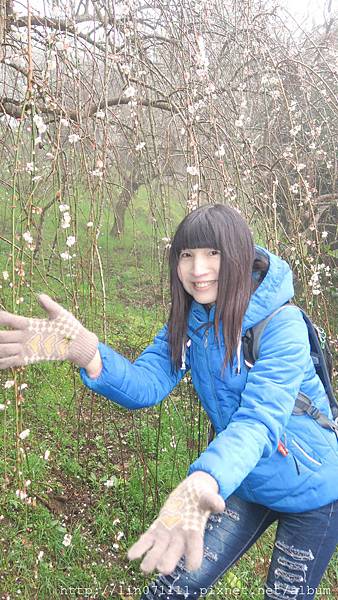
(79, 442)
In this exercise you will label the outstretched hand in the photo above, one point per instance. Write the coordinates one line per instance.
(30, 340)
(179, 529)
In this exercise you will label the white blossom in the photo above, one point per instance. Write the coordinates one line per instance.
(90, 224)
(71, 240)
(30, 167)
(9, 383)
(295, 130)
(324, 234)
(221, 151)
(73, 138)
(40, 125)
(67, 540)
(40, 555)
(46, 455)
(65, 255)
(66, 220)
(63, 208)
(130, 91)
(21, 494)
(97, 173)
(24, 434)
(140, 146)
(300, 167)
(2, 407)
(64, 122)
(192, 170)
(5, 275)
(27, 237)
(110, 482)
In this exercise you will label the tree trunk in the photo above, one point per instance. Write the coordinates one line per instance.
(130, 185)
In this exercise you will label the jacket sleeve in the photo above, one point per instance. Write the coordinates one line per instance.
(143, 383)
(266, 405)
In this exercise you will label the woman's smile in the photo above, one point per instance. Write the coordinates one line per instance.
(198, 270)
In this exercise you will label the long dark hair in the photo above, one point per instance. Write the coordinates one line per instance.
(222, 228)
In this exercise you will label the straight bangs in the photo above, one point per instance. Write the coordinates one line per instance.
(196, 232)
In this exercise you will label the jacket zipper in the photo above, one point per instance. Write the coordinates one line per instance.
(211, 376)
(316, 462)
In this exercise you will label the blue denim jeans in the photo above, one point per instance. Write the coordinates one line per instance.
(304, 544)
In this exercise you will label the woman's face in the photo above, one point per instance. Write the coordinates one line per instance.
(198, 271)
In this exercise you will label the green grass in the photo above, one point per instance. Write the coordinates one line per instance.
(144, 454)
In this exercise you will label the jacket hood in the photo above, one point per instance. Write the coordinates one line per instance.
(275, 289)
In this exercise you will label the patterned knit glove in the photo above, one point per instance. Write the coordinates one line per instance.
(60, 337)
(179, 529)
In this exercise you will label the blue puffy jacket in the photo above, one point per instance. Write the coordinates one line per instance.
(250, 410)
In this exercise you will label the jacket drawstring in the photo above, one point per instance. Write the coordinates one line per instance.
(185, 345)
(238, 355)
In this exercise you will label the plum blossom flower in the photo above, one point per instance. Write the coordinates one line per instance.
(192, 170)
(2, 407)
(46, 455)
(21, 494)
(140, 146)
(221, 151)
(66, 220)
(27, 237)
(24, 434)
(5, 275)
(65, 255)
(110, 482)
(97, 173)
(295, 130)
(9, 383)
(63, 208)
(30, 167)
(130, 91)
(90, 224)
(64, 122)
(40, 125)
(67, 540)
(73, 138)
(70, 240)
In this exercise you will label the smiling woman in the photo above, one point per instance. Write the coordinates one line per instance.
(266, 464)
(198, 271)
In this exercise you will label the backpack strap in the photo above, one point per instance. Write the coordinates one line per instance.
(252, 337)
(303, 404)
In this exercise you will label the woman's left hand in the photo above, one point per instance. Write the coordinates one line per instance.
(179, 529)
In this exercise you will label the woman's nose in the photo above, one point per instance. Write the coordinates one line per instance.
(199, 267)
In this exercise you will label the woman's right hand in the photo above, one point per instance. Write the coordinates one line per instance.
(59, 337)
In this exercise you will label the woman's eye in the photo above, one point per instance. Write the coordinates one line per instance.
(184, 254)
(214, 252)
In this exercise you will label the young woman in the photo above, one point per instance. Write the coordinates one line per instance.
(265, 463)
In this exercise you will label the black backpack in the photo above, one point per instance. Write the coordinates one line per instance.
(322, 360)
